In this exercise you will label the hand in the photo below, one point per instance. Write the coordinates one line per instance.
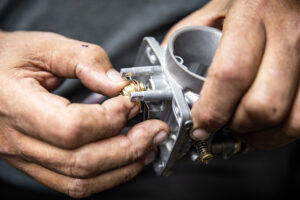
(73, 148)
(253, 82)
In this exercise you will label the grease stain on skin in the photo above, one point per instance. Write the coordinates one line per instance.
(85, 45)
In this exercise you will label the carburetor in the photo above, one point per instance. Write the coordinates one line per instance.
(167, 81)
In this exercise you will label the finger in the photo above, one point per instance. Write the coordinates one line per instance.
(292, 124)
(94, 158)
(55, 120)
(79, 188)
(212, 14)
(268, 101)
(231, 73)
(70, 58)
(277, 136)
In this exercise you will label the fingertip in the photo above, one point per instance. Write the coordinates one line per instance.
(161, 125)
(111, 83)
(199, 134)
(114, 76)
(125, 100)
(160, 137)
(98, 79)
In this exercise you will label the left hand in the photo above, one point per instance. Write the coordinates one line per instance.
(73, 148)
(253, 82)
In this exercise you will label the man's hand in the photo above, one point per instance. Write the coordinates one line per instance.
(73, 148)
(253, 82)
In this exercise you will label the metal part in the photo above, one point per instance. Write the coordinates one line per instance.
(202, 149)
(134, 86)
(151, 95)
(168, 81)
(144, 70)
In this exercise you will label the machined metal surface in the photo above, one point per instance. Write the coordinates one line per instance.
(173, 77)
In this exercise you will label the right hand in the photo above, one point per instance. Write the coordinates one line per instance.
(73, 148)
(252, 85)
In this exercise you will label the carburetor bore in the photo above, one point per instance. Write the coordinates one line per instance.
(168, 81)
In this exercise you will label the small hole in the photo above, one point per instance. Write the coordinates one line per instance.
(179, 59)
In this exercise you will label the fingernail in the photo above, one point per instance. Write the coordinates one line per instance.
(134, 111)
(200, 134)
(149, 158)
(115, 76)
(160, 138)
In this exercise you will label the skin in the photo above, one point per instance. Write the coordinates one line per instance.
(253, 82)
(76, 149)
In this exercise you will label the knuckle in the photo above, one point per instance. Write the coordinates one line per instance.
(231, 72)
(112, 122)
(114, 113)
(208, 118)
(142, 132)
(140, 139)
(255, 5)
(78, 188)
(264, 109)
(152, 126)
(117, 114)
(131, 153)
(80, 166)
(138, 144)
(135, 152)
(123, 108)
(68, 132)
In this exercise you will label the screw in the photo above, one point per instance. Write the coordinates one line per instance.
(188, 125)
(202, 149)
(134, 86)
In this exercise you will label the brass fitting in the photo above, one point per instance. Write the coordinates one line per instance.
(134, 86)
(205, 155)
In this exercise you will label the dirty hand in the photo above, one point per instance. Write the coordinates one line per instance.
(253, 82)
(73, 148)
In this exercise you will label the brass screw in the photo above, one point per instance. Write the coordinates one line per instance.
(202, 149)
(134, 86)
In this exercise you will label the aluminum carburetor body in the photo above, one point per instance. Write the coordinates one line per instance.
(170, 79)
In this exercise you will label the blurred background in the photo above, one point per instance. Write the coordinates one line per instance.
(119, 26)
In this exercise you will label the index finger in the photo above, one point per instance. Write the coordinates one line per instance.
(55, 120)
